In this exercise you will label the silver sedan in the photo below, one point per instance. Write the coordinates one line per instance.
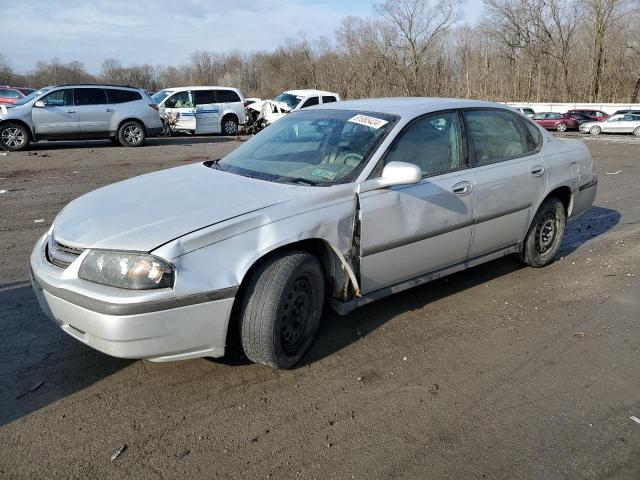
(332, 206)
(622, 123)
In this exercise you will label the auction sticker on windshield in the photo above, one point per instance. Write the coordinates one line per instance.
(368, 121)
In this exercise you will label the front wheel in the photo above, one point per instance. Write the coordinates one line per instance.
(595, 130)
(545, 234)
(561, 127)
(281, 309)
(13, 137)
(131, 134)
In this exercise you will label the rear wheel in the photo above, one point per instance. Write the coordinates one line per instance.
(561, 127)
(595, 130)
(131, 134)
(545, 234)
(636, 132)
(281, 309)
(229, 126)
(14, 137)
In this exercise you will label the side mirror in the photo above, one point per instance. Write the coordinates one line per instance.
(394, 173)
(40, 104)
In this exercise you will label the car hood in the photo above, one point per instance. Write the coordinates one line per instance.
(145, 212)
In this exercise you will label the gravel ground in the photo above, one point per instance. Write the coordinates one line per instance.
(500, 372)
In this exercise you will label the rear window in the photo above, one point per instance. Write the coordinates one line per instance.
(90, 96)
(204, 97)
(123, 96)
(228, 96)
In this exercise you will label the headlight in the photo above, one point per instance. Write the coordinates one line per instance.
(135, 271)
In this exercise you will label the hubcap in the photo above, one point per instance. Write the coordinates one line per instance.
(13, 137)
(546, 232)
(229, 127)
(132, 134)
(295, 314)
(562, 127)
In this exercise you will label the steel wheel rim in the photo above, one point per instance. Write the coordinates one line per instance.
(13, 137)
(295, 314)
(132, 134)
(230, 127)
(546, 232)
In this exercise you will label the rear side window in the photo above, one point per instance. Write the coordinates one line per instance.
(122, 96)
(204, 97)
(90, 96)
(310, 102)
(328, 99)
(495, 135)
(59, 98)
(227, 96)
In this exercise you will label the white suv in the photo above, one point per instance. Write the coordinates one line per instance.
(202, 110)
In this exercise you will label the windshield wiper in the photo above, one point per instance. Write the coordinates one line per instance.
(303, 181)
(214, 164)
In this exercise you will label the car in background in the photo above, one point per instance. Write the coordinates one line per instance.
(580, 117)
(527, 112)
(203, 110)
(560, 122)
(80, 111)
(630, 111)
(10, 95)
(624, 123)
(337, 205)
(299, 99)
(597, 115)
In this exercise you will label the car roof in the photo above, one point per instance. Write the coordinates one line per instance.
(200, 87)
(305, 93)
(412, 106)
(92, 85)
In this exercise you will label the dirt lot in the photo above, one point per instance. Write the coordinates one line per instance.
(498, 372)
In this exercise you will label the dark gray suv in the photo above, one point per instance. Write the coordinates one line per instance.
(74, 112)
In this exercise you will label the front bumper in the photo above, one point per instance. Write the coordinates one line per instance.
(160, 329)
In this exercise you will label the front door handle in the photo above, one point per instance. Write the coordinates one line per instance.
(71, 111)
(461, 188)
(537, 171)
(110, 110)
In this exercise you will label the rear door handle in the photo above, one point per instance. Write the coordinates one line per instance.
(537, 171)
(71, 111)
(461, 188)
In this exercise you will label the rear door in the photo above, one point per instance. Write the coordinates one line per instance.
(207, 111)
(58, 117)
(230, 101)
(510, 177)
(181, 104)
(94, 111)
(410, 230)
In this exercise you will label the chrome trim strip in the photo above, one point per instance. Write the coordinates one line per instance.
(590, 184)
(119, 309)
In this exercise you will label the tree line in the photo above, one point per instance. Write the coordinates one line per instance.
(519, 50)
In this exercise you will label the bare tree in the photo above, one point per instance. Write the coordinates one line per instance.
(6, 72)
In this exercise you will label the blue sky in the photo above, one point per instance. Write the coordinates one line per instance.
(164, 31)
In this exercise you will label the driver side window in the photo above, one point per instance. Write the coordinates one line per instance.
(432, 143)
(59, 98)
(179, 100)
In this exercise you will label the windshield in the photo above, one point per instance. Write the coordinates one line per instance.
(317, 147)
(160, 96)
(32, 95)
(289, 100)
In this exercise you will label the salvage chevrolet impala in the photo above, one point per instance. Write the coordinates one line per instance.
(334, 206)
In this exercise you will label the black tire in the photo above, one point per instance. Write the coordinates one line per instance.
(131, 134)
(281, 309)
(636, 131)
(14, 137)
(545, 234)
(229, 125)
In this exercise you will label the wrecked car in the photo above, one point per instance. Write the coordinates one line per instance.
(334, 206)
(262, 113)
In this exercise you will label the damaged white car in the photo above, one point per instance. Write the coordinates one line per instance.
(337, 205)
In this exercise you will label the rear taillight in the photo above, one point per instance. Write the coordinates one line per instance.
(154, 106)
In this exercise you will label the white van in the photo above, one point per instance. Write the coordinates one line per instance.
(203, 109)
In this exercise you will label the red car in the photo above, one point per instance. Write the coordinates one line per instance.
(13, 94)
(597, 115)
(556, 121)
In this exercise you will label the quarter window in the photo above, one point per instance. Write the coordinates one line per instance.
(59, 98)
(90, 96)
(495, 135)
(122, 96)
(204, 97)
(328, 99)
(432, 143)
(534, 132)
(311, 102)
(228, 96)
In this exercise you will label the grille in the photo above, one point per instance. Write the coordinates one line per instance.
(61, 255)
